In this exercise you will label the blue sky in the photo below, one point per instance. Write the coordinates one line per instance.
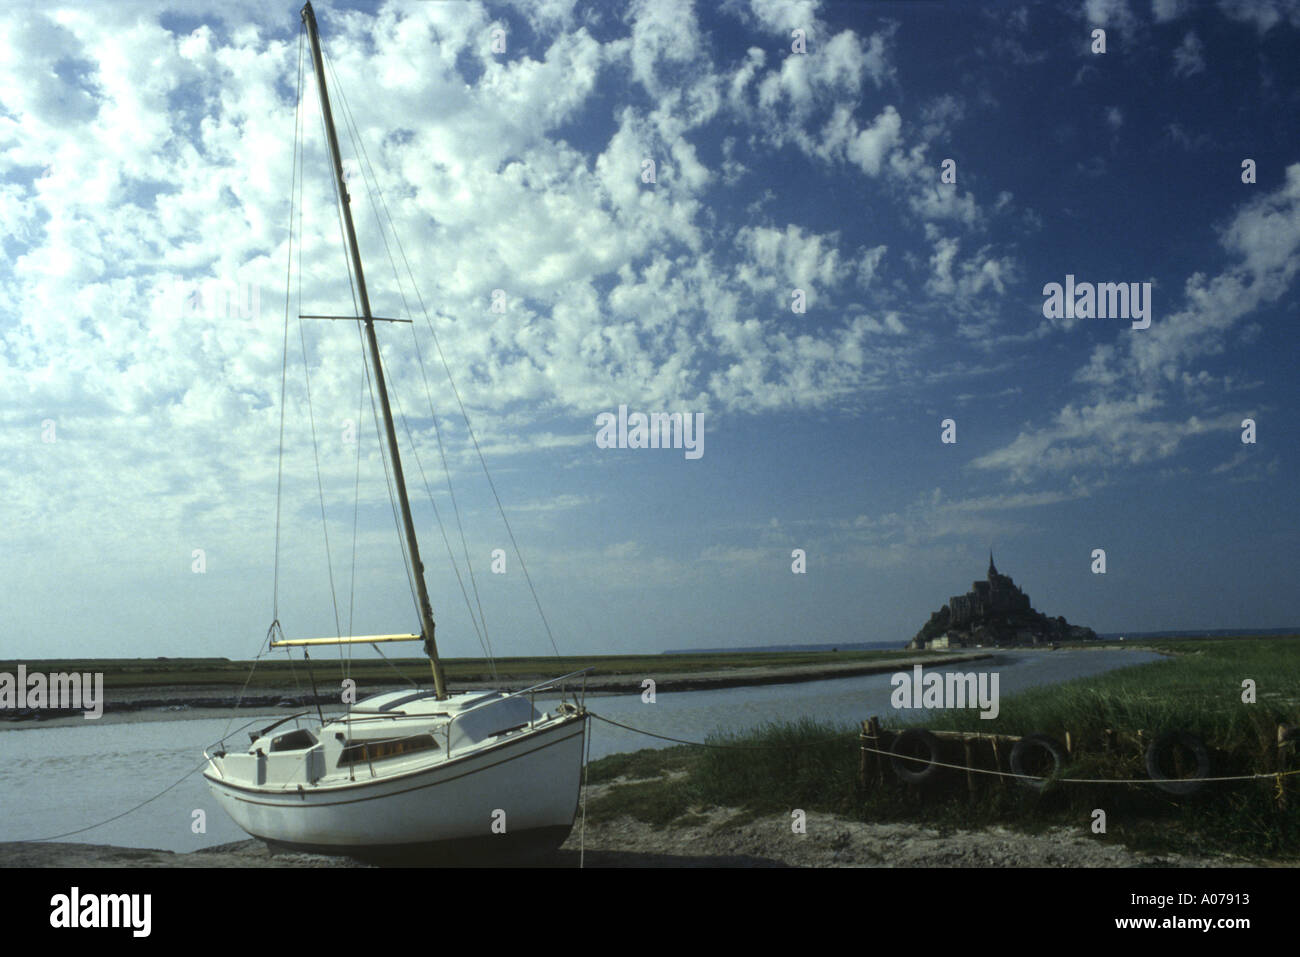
(145, 168)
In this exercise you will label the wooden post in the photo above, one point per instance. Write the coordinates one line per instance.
(1069, 745)
(864, 758)
(1284, 746)
(970, 763)
(997, 759)
(1110, 739)
(878, 742)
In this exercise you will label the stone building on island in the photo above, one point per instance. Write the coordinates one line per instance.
(994, 612)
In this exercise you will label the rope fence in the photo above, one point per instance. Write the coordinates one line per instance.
(1029, 777)
(1270, 775)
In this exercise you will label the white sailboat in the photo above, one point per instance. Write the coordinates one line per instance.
(407, 773)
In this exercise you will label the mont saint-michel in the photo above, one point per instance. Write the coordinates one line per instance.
(994, 612)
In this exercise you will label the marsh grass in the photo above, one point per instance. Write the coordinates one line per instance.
(813, 765)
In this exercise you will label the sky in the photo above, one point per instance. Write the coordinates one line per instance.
(827, 232)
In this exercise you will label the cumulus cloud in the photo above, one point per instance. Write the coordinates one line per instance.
(964, 280)
(145, 179)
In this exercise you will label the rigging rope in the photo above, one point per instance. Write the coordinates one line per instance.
(315, 448)
(356, 508)
(456, 392)
(388, 479)
(284, 361)
(359, 149)
(487, 650)
(90, 827)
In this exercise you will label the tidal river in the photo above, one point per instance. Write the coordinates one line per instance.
(55, 780)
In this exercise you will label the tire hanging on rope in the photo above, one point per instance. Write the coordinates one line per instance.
(912, 771)
(1034, 744)
(1168, 744)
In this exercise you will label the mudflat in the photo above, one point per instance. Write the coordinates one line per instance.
(168, 702)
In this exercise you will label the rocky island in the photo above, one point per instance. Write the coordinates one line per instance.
(994, 612)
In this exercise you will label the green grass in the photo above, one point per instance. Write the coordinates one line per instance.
(660, 803)
(640, 765)
(814, 765)
(1198, 690)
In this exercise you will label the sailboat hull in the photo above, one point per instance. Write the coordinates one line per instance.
(510, 799)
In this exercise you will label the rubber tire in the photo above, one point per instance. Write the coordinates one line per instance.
(1047, 743)
(912, 772)
(1178, 786)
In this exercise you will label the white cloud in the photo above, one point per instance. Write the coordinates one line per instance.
(789, 259)
(782, 16)
(981, 274)
(940, 115)
(1264, 14)
(1164, 11)
(1109, 13)
(121, 175)
(665, 37)
(939, 201)
(1264, 238)
(870, 146)
(1109, 433)
(869, 265)
(1188, 57)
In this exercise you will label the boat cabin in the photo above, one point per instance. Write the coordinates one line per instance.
(389, 733)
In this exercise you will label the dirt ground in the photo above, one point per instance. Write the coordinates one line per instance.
(724, 837)
(720, 837)
(837, 842)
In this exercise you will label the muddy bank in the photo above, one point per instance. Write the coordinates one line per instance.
(177, 701)
(713, 840)
(714, 837)
(721, 837)
(240, 854)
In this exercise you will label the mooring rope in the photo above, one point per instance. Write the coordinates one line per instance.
(91, 827)
(706, 744)
(582, 830)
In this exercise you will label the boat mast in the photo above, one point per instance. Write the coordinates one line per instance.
(426, 611)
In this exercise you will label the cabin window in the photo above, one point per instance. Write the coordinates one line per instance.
(293, 741)
(362, 752)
